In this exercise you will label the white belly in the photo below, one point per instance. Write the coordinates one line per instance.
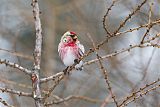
(69, 58)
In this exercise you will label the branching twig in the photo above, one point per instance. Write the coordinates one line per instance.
(100, 44)
(134, 94)
(141, 94)
(104, 72)
(56, 82)
(14, 65)
(129, 16)
(137, 28)
(115, 32)
(149, 22)
(61, 74)
(126, 49)
(105, 16)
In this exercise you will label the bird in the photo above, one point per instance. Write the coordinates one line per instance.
(70, 49)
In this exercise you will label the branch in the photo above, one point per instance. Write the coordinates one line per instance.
(104, 41)
(141, 94)
(65, 71)
(149, 22)
(62, 100)
(129, 16)
(126, 49)
(5, 103)
(14, 65)
(19, 93)
(37, 55)
(137, 28)
(105, 16)
(115, 32)
(59, 78)
(140, 91)
(104, 71)
(53, 77)
(60, 75)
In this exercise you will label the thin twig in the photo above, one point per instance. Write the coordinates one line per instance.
(104, 71)
(56, 82)
(16, 66)
(52, 77)
(129, 16)
(19, 93)
(149, 22)
(126, 49)
(137, 28)
(141, 90)
(5, 103)
(105, 16)
(141, 94)
(98, 46)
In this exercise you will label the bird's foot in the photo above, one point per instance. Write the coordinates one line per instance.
(80, 68)
(76, 61)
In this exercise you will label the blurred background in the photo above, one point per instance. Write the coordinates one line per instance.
(127, 72)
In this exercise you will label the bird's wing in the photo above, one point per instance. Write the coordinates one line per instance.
(81, 49)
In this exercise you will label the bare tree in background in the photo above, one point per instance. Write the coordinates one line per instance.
(121, 63)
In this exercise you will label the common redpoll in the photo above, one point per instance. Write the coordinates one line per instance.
(70, 49)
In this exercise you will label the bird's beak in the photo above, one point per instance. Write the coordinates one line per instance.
(75, 38)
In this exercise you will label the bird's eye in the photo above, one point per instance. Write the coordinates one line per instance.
(65, 40)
